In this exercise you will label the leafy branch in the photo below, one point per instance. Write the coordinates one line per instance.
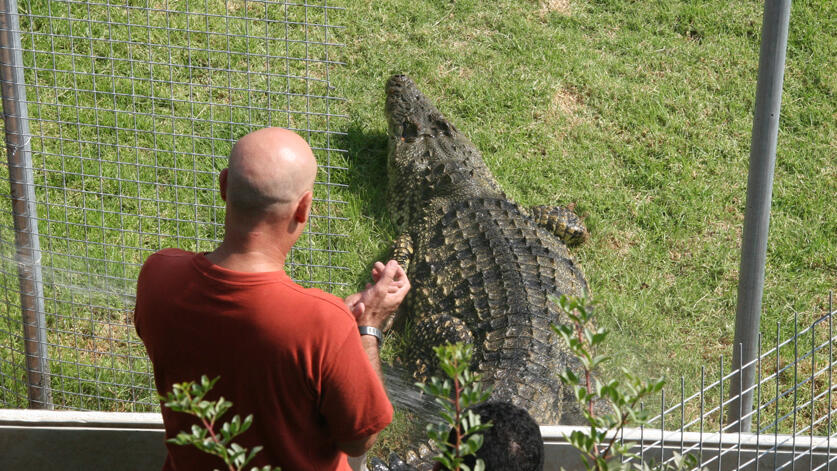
(459, 435)
(599, 446)
(188, 397)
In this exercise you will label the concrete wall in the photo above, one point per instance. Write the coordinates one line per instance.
(66, 440)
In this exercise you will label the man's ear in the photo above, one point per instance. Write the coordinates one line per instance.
(222, 183)
(303, 208)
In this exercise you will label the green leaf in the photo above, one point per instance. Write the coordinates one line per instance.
(571, 377)
(444, 460)
(598, 360)
(449, 369)
(248, 421)
(600, 335)
(474, 443)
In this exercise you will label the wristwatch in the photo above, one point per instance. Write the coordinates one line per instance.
(373, 331)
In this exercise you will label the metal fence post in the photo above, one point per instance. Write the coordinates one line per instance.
(757, 217)
(24, 209)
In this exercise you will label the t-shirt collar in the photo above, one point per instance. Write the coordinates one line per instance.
(211, 270)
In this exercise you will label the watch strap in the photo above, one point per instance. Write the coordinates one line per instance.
(373, 331)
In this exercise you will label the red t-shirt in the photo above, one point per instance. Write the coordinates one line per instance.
(290, 356)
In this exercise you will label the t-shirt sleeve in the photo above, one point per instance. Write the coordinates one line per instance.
(353, 402)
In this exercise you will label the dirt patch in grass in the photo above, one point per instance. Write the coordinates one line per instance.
(449, 69)
(621, 242)
(567, 101)
(561, 7)
(566, 104)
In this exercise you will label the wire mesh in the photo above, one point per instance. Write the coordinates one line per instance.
(133, 108)
(793, 418)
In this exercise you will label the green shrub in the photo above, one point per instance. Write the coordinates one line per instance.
(188, 398)
(600, 446)
(456, 394)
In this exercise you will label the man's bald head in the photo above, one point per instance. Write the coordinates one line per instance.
(269, 170)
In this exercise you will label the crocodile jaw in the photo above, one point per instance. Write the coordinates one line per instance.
(410, 115)
(430, 165)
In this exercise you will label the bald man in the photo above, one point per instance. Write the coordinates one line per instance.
(303, 362)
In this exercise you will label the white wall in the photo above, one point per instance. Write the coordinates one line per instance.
(66, 440)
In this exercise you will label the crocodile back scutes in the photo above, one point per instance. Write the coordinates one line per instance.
(489, 264)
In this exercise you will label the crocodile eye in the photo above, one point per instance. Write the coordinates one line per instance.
(408, 130)
(442, 127)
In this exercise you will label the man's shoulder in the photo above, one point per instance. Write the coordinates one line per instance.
(318, 314)
(172, 252)
(165, 259)
(324, 302)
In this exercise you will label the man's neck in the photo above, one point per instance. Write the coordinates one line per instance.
(255, 247)
(247, 259)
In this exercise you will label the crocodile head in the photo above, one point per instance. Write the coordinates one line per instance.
(410, 115)
(430, 163)
(413, 122)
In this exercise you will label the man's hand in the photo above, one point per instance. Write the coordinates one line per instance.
(378, 301)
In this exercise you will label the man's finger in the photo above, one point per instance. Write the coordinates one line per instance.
(389, 270)
(377, 269)
(400, 273)
(358, 309)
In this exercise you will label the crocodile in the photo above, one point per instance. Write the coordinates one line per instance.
(482, 267)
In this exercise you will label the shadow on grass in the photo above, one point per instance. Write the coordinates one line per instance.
(366, 178)
(367, 174)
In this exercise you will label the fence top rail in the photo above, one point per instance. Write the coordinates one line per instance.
(67, 418)
(653, 437)
(163, 9)
(550, 433)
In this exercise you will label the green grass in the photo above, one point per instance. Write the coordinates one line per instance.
(640, 113)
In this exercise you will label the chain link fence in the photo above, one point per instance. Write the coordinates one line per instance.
(793, 416)
(118, 118)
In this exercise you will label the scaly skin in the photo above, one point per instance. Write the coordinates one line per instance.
(481, 266)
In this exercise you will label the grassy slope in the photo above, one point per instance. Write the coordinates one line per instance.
(640, 113)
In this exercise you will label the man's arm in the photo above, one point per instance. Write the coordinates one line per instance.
(362, 445)
(371, 307)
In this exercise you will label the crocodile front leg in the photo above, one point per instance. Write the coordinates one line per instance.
(561, 221)
(402, 250)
